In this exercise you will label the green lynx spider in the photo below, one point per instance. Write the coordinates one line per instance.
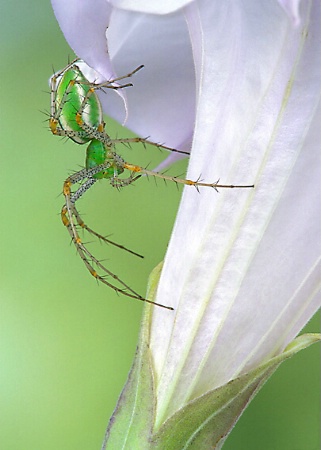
(76, 113)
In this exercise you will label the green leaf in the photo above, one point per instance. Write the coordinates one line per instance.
(205, 422)
(131, 424)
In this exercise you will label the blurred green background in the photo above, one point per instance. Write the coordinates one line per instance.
(66, 343)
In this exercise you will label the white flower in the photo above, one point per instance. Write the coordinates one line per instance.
(243, 268)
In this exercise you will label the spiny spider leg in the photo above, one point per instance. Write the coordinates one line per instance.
(74, 196)
(86, 256)
(196, 183)
(146, 141)
(92, 87)
(69, 212)
(53, 86)
(96, 86)
(84, 226)
(106, 84)
(134, 169)
(55, 111)
(101, 135)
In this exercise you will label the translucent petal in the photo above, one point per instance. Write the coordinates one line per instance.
(162, 100)
(84, 24)
(151, 7)
(291, 7)
(243, 267)
(161, 104)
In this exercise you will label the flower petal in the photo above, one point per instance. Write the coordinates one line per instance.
(291, 7)
(162, 100)
(84, 25)
(243, 267)
(161, 104)
(151, 7)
